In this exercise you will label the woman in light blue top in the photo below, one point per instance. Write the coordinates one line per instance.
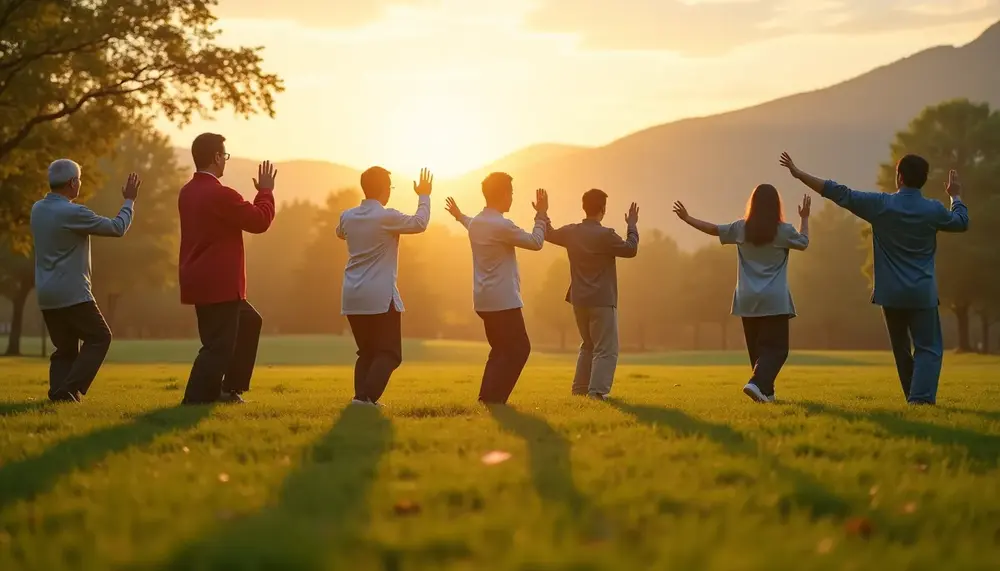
(762, 298)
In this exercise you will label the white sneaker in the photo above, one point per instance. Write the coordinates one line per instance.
(753, 391)
(362, 402)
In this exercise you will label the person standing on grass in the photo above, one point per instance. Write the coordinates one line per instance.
(593, 291)
(762, 299)
(212, 271)
(370, 298)
(61, 230)
(904, 242)
(497, 282)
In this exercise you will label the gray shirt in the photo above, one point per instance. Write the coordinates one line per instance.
(372, 233)
(494, 239)
(762, 282)
(61, 230)
(592, 250)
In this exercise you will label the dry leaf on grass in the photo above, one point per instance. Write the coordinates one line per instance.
(406, 507)
(495, 457)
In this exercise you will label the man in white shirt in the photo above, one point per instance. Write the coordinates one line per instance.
(370, 299)
(497, 283)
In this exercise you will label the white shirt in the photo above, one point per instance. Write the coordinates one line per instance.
(372, 233)
(497, 283)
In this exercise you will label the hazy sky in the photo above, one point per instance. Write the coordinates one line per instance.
(454, 84)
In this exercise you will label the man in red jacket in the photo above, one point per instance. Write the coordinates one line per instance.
(213, 271)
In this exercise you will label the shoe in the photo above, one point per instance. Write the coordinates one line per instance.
(64, 396)
(230, 397)
(363, 403)
(598, 396)
(753, 391)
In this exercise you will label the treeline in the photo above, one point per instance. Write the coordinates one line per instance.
(670, 299)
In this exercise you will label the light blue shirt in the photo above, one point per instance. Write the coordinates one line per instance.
(61, 230)
(372, 233)
(762, 281)
(904, 240)
(495, 239)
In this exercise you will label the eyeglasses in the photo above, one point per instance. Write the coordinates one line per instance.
(225, 156)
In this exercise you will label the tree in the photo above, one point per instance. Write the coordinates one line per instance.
(710, 278)
(17, 279)
(958, 135)
(550, 301)
(650, 291)
(146, 258)
(119, 58)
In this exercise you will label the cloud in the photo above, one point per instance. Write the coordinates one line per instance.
(715, 27)
(336, 14)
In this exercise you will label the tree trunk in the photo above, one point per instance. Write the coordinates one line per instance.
(17, 321)
(962, 315)
(984, 322)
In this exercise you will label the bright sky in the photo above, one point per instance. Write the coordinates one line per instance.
(455, 84)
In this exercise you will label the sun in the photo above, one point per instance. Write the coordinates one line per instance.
(440, 131)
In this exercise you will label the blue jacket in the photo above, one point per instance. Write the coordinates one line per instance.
(904, 240)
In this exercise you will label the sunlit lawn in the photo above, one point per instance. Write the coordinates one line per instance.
(681, 473)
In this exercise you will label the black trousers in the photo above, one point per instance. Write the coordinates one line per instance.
(767, 344)
(72, 367)
(380, 352)
(509, 351)
(230, 333)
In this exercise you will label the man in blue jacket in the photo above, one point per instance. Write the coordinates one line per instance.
(904, 241)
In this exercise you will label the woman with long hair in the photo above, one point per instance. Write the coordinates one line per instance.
(762, 298)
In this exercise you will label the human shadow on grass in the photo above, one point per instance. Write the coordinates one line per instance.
(25, 479)
(807, 492)
(983, 450)
(548, 457)
(16, 408)
(318, 514)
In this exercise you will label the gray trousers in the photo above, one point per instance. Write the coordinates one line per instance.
(595, 368)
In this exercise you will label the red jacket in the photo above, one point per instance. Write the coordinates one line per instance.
(213, 218)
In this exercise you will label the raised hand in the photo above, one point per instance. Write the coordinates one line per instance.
(130, 190)
(632, 218)
(954, 186)
(786, 161)
(426, 182)
(452, 208)
(541, 203)
(265, 177)
(680, 211)
(806, 206)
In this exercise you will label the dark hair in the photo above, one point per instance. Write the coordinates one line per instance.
(495, 184)
(764, 214)
(595, 201)
(205, 148)
(913, 169)
(371, 181)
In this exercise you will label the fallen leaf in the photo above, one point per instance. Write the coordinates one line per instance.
(824, 546)
(186, 450)
(922, 467)
(406, 507)
(873, 491)
(223, 477)
(910, 507)
(495, 457)
(858, 527)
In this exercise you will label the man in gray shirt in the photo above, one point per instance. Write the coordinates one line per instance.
(61, 230)
(593, 291)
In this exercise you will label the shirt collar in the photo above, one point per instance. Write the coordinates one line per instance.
(591, 221)
(909, 190)
(56, 196)
(206, 173)
(372, 203)
(491, 211)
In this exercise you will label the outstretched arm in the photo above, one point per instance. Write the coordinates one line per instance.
(706, 227)
(628, 247)
(452, 208)
(558, 236)
(86, 221)
(864, 205)
(399, 223)
(515, 236)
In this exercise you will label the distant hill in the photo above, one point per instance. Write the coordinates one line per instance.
(712, 163)
(304, 180)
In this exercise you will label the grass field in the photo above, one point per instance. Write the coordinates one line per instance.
(681, 471)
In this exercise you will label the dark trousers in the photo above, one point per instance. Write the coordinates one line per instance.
(72, 367)
(767, 344)
(917, 346)
(229, 332)
(380, 352)
(509, 350)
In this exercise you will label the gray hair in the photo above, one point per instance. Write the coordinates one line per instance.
(61, 171)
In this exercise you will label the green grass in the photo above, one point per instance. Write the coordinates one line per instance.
(682, 472)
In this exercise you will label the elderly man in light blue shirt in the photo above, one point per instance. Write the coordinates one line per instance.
(904, 242)
(61, 230)
(370, 298)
